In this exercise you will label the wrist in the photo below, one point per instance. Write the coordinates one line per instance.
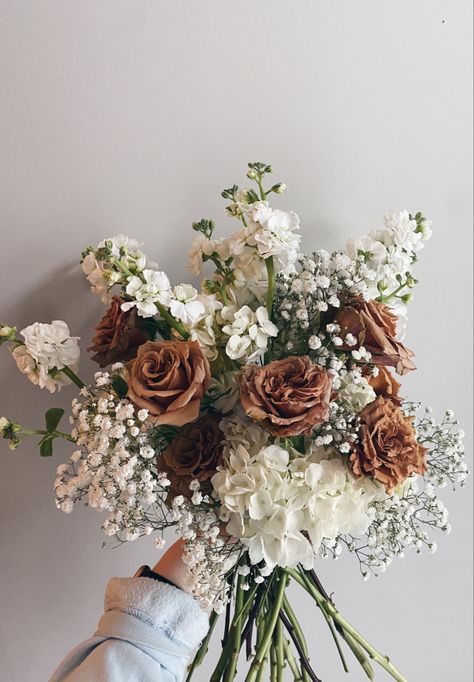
(172, 567)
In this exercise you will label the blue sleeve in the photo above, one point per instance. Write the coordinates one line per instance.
(148, 632)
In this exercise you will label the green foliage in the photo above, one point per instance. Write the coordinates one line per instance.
(120, 386)
(52, 418)
(205, 226)
(162, 436)
(46, 446)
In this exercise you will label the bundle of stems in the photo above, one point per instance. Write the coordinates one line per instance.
(264, 622)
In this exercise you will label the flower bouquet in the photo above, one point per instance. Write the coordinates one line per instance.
(259, 416)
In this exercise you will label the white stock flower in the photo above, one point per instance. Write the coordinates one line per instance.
(273, 233)
(102, 273)
(123, 246)
(201, 246)
(248, 331)
(36, 373)
(400, 230)
(185, 304)
(50, 346)
(202, 327)
(94, 272)
(145, 294)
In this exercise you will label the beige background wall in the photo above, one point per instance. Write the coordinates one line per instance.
(132, 115)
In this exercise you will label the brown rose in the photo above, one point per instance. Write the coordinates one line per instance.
(385, 384)
(289, 396)
(194, 454)
(387, 449)
(169, 379)
(117, 335)
(374, 326)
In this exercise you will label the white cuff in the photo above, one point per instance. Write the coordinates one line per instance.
(160, 605)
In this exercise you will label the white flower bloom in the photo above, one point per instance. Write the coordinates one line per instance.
(122, 245)
(355, 392)
(102, 273)
(48, 348)
(400, 230)
(52, 345)
(155, 289)
(261, 212)
(201, 246)
(185, 305)
(277, 500)
(248, 331)
(273, 234)
(94, 272)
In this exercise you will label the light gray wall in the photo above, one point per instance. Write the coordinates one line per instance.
(132, 115)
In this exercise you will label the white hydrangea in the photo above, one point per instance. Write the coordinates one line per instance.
(47, 349)
(282, 506)
(146, 291)
(354, 391)
(248, 331)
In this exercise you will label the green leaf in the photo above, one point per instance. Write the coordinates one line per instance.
(52, 418)
(164, 329)
(46, 447)
(120, 386)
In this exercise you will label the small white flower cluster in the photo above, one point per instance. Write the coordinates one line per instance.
(405, 519)
(112, 262)
(113, 469)
(146, 290)
(445, 442)
(282, 505)
(208, 554)
(402, 521)
(267, 232)
(354, 391)
(47, 349)
(202, 327)
(273, 233)
(248, 332)
(386, 258)
(203, 248)
(303, 297)
(119, 261)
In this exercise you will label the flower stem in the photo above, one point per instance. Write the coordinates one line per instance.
(180, 328)
(280, 653)
(73, 377)
(328, 606)
(304, 660)
(273, 664)
(203, 649)
(306, 578)
(262, 649)
(236, 636)
(291, 661)
(270, 263)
